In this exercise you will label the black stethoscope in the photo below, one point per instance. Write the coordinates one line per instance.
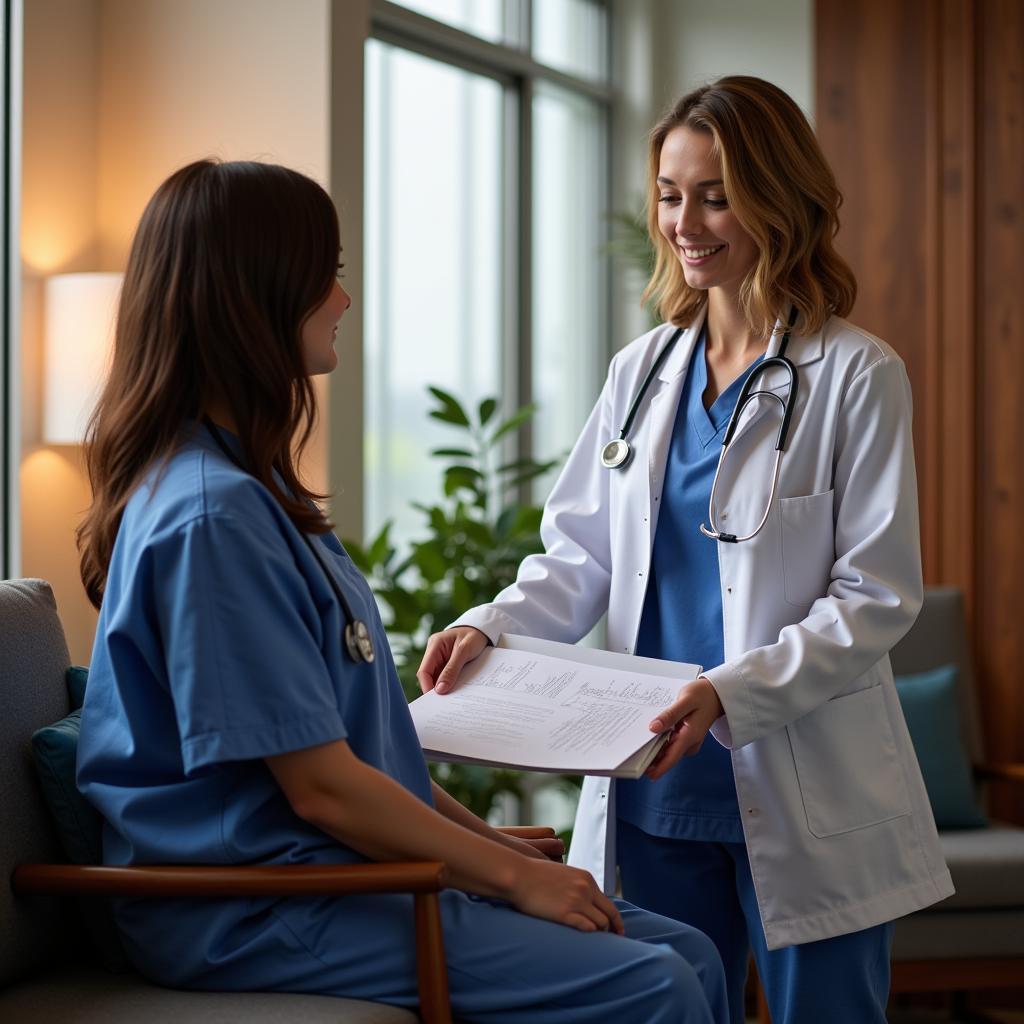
(358, 641)
(616, 453)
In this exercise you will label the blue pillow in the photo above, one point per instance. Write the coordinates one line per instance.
(79, 825)
(929, 701)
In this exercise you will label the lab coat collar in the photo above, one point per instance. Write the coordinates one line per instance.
(801, 351)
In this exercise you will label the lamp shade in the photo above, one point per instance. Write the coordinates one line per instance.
(80, 311)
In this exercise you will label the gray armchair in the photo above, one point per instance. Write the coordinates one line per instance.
(46, 973)
(975, 939)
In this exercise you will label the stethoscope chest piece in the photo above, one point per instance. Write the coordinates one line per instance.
(615, 453)
(358, 642)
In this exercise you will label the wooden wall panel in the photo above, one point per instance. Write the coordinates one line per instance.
(920, 109)
(1000, 549)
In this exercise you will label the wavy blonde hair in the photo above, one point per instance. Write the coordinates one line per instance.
(784, 195)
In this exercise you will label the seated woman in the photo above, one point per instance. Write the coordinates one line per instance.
(232, 715)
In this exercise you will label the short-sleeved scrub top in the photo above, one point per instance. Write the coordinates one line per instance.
(220, 644)
(682, 617)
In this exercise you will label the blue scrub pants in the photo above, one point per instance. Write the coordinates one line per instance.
(842, 980)
(504, 967)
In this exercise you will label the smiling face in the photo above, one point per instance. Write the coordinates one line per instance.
(694, 215)
(320, 331)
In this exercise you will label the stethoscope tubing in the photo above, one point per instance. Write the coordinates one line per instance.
(748, 394)
(617, 452)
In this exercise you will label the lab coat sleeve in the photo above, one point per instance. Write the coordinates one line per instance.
(876, 588)
(561, 593)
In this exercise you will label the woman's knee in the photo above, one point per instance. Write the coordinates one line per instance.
(672, 983)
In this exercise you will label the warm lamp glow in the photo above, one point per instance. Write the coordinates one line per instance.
(80, 310)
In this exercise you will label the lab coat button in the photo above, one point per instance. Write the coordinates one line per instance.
(752, 811)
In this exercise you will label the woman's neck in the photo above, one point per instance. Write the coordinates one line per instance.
(729, 337)
(221, 416)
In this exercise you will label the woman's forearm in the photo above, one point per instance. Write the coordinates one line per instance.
(366, 810)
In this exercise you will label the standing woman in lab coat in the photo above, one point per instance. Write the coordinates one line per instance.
(801, 827)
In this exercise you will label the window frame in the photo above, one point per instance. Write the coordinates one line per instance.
(512, 66)
(10, 410)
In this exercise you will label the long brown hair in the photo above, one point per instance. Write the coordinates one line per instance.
(228, 261)
(783, 193)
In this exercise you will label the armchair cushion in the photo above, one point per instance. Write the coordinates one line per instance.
(987, 865)
(929, 701)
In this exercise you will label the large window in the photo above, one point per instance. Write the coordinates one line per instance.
(486, 201)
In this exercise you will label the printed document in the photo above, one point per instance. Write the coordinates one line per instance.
(549, 707)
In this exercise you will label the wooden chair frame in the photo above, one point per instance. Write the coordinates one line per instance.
(424, 879)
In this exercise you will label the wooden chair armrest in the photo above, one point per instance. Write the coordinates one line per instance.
(233, 880)
(423, 879)
(1006, 771)
(528, 831)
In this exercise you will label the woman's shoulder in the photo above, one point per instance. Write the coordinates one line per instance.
(195, 486)
(854, 348)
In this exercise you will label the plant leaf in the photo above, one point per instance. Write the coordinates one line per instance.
(451, 410)
(516, 420)
(486, 411)
(453, 453)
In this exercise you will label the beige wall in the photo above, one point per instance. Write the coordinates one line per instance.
(58, 233)
(118, 93)
(698, 41)
(238, 79)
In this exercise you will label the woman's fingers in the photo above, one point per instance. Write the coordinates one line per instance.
(434, 658)
(681, 743)
(612, 912)
(673, 713)
(469, 642)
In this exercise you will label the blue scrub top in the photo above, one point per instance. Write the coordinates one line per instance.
(219, 644)
(682, 618)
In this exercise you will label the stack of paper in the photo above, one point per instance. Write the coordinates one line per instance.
(549, 707)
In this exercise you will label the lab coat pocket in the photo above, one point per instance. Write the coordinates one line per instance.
(808, 547)
(847, 764)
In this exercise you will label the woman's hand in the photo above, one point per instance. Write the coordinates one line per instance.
(445, 655)
(689, 719)
(566, 895)
(534, 841)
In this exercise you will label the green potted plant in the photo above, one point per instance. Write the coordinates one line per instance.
(476, 534)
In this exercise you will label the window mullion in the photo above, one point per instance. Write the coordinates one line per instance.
(521, 236)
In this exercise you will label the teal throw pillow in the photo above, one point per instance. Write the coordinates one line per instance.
(76, 677)
(929, 701)
(79, 826)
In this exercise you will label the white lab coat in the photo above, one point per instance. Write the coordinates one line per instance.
(838, 827)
